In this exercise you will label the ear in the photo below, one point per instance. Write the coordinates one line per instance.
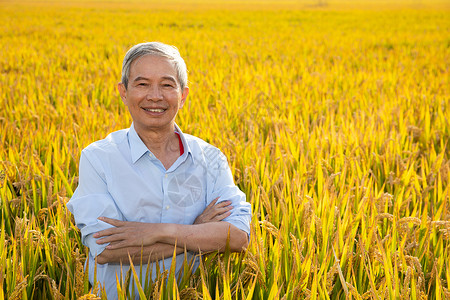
(122, 91)
(184, 95)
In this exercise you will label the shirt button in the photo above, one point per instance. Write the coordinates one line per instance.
(166, 175)
(150, 155)
(167, 207)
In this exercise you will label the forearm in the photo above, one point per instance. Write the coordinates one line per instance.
(205, 237)
(144, 254)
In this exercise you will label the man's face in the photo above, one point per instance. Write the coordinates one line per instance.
(154, 94)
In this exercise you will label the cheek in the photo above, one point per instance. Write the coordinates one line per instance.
(134, 97)
(175, 95)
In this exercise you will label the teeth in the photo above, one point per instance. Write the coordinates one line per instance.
(157, 110)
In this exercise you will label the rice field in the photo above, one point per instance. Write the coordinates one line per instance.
(335, 117)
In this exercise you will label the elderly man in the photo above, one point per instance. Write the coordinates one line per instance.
(145, 189)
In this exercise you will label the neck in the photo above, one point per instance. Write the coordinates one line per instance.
(160, 142)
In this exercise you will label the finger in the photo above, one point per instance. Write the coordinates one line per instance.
(107, 232)
(113, 222)
(212, 203)
(223, 209)
(111, 239)
(210, 210)
(101, 241)
(216, 216)
(116, 245)
(223, 203)
(220, 210)
(126, 242)
(222, 216)
(217, 210)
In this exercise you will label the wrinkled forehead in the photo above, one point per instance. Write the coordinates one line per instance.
(155, 57)
(151, 63)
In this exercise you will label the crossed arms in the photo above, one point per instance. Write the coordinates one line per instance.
(155, 241)
(112, 240)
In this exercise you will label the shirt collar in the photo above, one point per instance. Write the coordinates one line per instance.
(138, 148)
(187, 149)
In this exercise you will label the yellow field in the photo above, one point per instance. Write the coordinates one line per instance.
(335, 119)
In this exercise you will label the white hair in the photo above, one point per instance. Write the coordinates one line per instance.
(157, 49)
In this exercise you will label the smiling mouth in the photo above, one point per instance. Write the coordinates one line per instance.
(154, 110)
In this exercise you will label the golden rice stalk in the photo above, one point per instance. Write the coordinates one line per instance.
(386, 238)
(55, 291)
(353, 291)
(446, 292)
(319, 234)
(413, 220)
(251, 269)
(443, 228)
(341, 275)
(89, 297)
(269, 227)
(298, 247)
(190, 294)
(159, 284)
(265, 200)
(411, 246)
(330, 277)
(79, 274)
(445, 232)
(418, 267)
(305, 294)
(406, 283)
(17, 293)
(382, 201)
(388, 216)
(222, 268)
(308, 213)
(96, 288)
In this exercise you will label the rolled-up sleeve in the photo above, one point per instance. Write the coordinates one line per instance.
(226, 189)
(90, 201)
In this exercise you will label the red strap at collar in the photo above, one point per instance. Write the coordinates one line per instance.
(181, 144)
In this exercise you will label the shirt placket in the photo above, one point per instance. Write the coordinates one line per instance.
(165, 215)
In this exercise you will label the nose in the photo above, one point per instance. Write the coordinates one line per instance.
(154, 93)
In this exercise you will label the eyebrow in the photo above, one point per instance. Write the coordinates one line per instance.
(163, 78)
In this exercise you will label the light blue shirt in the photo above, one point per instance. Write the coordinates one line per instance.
(120, 178)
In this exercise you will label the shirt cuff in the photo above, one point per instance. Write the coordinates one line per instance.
(241, 217)
(94, 248)
(86, 210)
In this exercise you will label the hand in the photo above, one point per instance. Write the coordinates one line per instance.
(127, 234)
(215, 212)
